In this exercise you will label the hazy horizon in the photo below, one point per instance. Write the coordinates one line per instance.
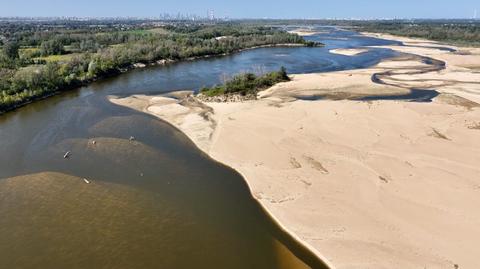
(279, 9)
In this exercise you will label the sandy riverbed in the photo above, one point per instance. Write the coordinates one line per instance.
(383, 184)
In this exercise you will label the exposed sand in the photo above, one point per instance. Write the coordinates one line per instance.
(461, 76)
(348, 52)
(304, 32)
(384, 184)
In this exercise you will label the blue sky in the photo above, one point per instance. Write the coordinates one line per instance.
(246, 8)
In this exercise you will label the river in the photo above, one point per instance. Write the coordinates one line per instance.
(155, 201)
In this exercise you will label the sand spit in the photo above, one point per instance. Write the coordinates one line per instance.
(348, 52)
(304, 32)
(378, 184)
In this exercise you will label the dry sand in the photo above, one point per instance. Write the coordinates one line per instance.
(304, 32)
(348, 52)
(384, 184)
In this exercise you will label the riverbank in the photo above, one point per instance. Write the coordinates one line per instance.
(378, 184)
(139, 65)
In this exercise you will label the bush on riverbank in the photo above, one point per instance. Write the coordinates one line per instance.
(247, 84)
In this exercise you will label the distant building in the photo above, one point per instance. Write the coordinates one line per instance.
(211, 14)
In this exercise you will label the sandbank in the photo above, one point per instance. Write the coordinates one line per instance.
(348, 52)
(378, 184)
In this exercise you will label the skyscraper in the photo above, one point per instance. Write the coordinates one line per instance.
(210, 14)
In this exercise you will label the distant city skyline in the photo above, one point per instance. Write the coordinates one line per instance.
(278, 9)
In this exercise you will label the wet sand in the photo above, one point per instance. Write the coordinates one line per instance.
(377, 184)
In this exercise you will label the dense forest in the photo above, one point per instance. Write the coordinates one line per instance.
(247, 84)
(455, 32)
(38, 59)
(464, 32)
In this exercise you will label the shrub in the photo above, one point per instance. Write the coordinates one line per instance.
(247, 83)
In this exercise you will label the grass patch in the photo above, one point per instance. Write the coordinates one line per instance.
(57, 58)
(29, 52)
(159, 30)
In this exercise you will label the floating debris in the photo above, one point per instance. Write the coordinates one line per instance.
(67, 154)
(141, 174)
(86, 181)
(132, 138)
(94, 142)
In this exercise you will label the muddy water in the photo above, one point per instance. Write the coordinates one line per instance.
(155, 201)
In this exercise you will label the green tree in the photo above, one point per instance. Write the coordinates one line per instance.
(10, 50)
(51, 47)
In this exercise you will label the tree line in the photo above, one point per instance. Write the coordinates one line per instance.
(27, 72)
(461, 33)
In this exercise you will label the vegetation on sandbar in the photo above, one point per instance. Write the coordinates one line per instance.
(247, 84)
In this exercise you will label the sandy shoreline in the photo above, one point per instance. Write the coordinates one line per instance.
(384, 184)
(304, 32)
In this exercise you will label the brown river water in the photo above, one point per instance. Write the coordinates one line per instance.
(154, 202)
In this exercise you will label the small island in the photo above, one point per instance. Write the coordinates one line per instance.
(242, 87)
